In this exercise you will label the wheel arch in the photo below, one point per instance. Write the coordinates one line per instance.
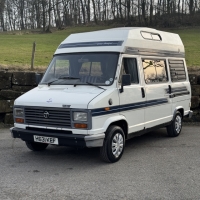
(122, 124)
(180, 109)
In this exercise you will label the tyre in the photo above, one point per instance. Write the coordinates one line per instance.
(174, 129)
(113, 146)
(35, 146)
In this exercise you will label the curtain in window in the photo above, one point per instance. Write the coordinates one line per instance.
(130, 67)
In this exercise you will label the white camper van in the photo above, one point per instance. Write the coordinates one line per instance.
(104, 87)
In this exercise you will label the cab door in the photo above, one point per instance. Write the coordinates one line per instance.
(132, 99)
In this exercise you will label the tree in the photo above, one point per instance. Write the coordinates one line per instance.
(2, 6)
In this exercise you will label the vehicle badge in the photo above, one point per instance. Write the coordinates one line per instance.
(46, 115)
(49, 100)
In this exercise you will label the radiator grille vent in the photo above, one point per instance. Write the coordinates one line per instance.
(49, 117)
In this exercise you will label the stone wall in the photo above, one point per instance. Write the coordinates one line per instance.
(14, 84)
(195, 100)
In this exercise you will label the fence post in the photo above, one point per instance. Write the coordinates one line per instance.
(33, 56)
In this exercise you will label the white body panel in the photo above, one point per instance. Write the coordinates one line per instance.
(57, 96)
(100, 123)
(157, 114)
(135, 117)
(184, 100)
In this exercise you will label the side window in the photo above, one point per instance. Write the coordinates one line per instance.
(177, 70)
(129, 66)
(154, 71)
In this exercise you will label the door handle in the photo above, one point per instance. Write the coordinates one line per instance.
(170, 89)
(143, 93)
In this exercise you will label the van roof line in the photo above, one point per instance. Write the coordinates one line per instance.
(119, 39)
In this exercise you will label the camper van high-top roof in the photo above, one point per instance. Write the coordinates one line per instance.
(142, 41)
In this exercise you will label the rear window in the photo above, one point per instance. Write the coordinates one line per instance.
(177, 70)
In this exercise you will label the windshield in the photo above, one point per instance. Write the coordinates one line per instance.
(82, 68)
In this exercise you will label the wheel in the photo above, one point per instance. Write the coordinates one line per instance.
(35, 146)
(113, 146)
(174, 129)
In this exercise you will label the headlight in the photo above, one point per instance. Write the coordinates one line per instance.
(18, 112)
(80, 116)
(19, 115)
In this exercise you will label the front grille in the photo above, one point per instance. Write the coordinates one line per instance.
(55, 117)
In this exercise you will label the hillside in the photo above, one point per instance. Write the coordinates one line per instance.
(16, 47)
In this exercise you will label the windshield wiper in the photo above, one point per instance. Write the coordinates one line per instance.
(95, 85)
(67, 77)
(62, 77)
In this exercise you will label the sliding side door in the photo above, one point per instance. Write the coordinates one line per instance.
(158, 109)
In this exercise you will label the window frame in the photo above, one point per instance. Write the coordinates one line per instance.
(137, 67)
(184, 67)
(166, 70)
(70, 81)
(151, 34)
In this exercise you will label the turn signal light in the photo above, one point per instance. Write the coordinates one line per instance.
(19, 120)
(80, 125)
(107, 109)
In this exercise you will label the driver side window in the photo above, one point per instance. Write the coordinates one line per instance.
(129, 66)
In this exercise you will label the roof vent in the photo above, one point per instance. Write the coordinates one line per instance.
(151, 36)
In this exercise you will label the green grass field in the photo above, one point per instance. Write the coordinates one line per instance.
(191, 41)
(16, 47)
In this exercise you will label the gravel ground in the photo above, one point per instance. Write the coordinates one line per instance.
(153, 166)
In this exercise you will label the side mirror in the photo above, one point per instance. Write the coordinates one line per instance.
(38, 78)
(126, 80)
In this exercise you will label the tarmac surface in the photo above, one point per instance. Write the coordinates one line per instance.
(153, 166)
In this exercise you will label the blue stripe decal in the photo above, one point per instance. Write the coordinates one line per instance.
(91, 44)
(178, 91)
(133, 106)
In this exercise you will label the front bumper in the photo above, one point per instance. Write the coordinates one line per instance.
(64, 138)
(190, 114)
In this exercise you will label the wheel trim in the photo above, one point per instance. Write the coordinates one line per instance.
(178, 123)
(117, 145)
